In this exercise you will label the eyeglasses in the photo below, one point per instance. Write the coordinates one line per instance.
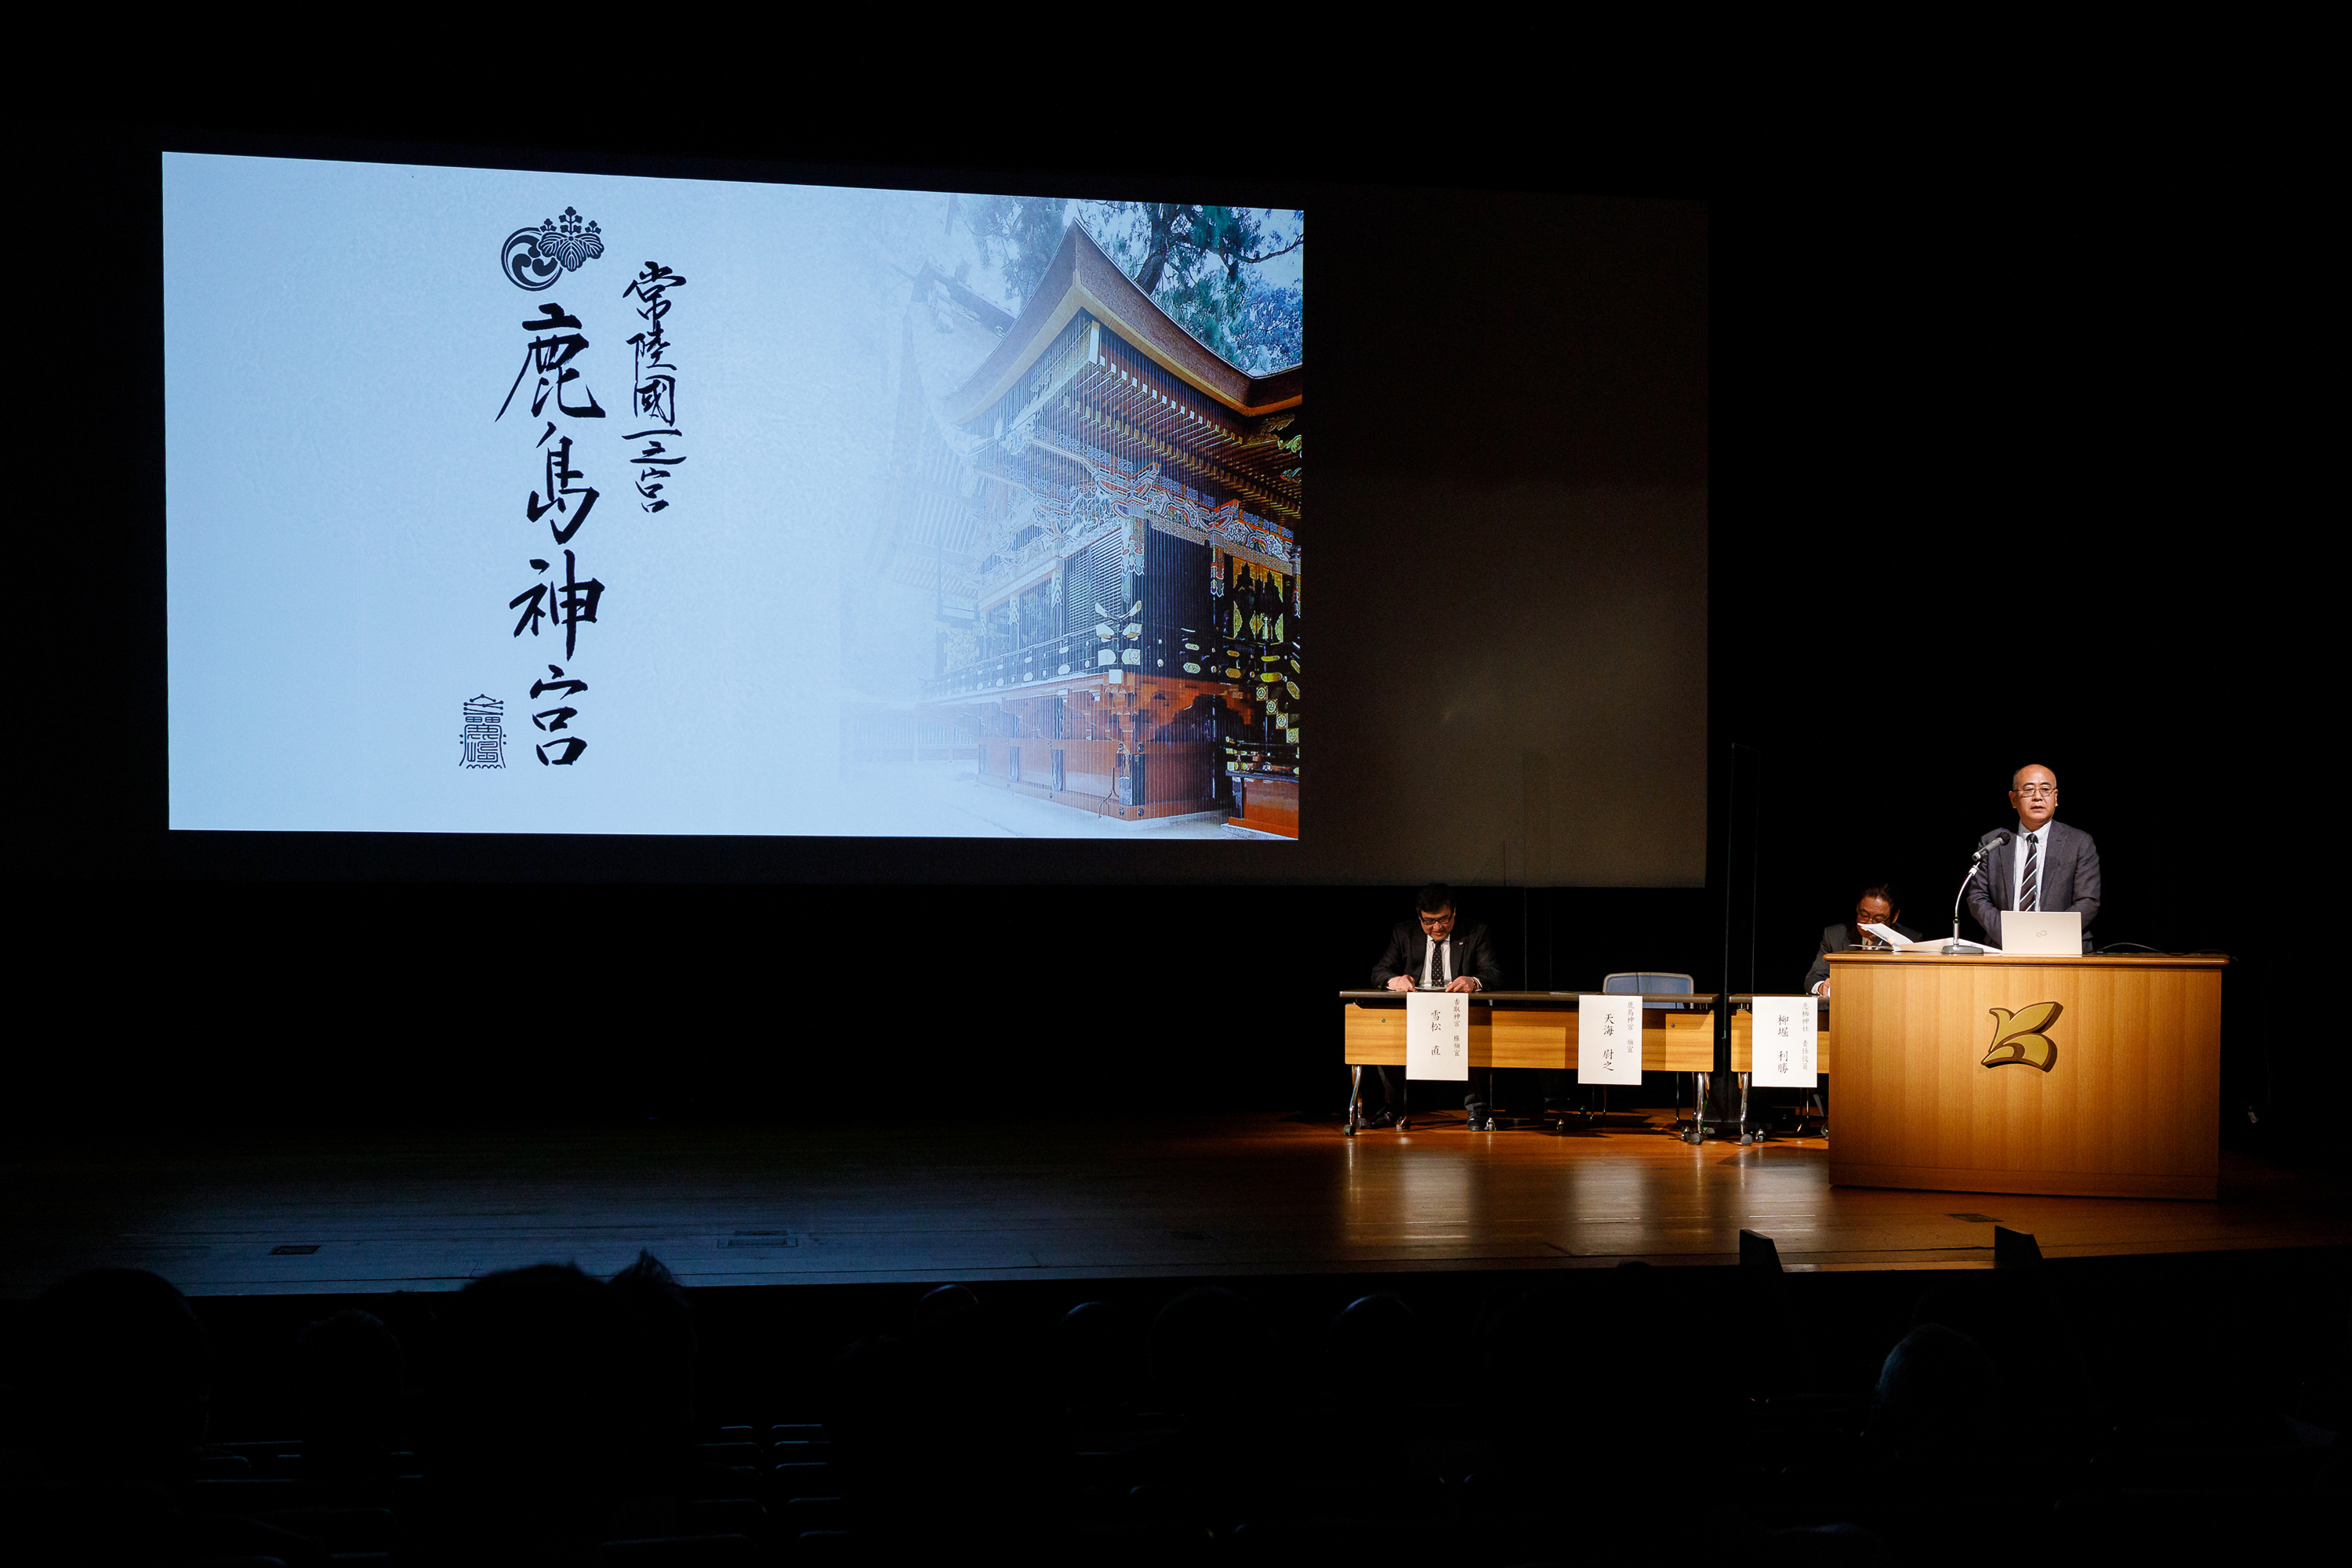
(1430, 921)
(2036, 791)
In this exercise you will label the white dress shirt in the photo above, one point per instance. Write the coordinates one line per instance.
(2041, 862)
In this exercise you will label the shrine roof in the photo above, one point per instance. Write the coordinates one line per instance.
(1081, 277)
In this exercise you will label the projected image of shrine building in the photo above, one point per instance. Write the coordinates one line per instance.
(1109, 522)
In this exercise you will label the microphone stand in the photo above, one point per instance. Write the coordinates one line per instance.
(1956, 948)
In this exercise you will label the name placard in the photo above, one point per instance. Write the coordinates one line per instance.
(1609, 1039)
(1785, 1038)
(1437, 1036)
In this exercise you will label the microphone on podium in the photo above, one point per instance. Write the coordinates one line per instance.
(1985, 846)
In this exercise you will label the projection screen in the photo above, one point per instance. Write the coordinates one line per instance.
(514, 502)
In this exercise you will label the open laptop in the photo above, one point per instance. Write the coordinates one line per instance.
(2042, 933)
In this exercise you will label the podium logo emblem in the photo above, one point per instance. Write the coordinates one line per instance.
(2021, 1037)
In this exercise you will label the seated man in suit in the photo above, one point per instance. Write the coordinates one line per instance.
(1874, 905)
(2047, 866)
(1433, 955)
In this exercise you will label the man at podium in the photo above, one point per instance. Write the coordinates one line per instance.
(2046, 865)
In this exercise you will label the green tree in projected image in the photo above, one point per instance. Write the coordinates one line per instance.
(1229, 276)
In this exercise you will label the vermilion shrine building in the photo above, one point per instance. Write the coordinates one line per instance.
(1123, 520)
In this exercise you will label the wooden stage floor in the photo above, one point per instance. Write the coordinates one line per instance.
(991, 1199)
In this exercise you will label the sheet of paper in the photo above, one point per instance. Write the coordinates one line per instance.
(1786, 1043)
(1437, 1036)
(1608, 1039)
(1932, 944)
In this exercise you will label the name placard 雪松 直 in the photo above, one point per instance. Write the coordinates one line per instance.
(1437, 1036)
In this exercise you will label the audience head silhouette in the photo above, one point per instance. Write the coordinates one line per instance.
(1373, 1335)
(1937, 1399)
(520, 1417)
(1210, 1351)
(118, 1377)
(654, 1356)
(347, 1381)
(1091, 1349)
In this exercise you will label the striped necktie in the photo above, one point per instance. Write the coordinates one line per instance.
(2029, 892)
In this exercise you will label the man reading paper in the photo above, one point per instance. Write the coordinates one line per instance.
(2046, 865)
(1873, 907)
(1430, 954)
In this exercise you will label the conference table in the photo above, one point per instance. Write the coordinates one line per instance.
(2096, 1074)
(1537, 1029)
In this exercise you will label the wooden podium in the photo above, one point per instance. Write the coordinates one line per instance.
(2095, 1076)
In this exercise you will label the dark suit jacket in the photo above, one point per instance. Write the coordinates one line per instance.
(1471, 954)
(2070, 880)
(1839, 939)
